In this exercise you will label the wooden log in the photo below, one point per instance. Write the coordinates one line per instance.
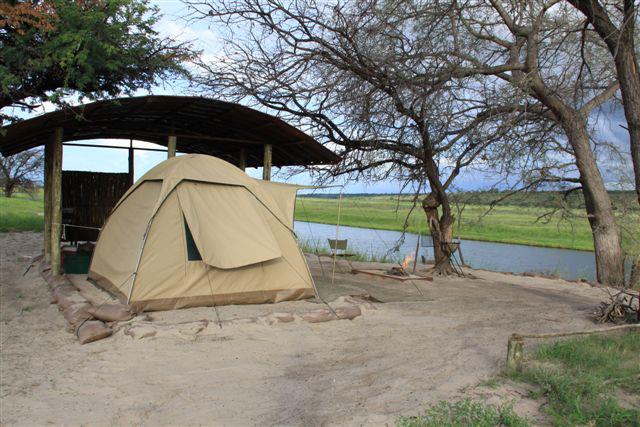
(48, 153)
(569, 334)
(242, 159)
(171, 146)
(56, 201)
(268, 161)
(515, 353)
(515, 346)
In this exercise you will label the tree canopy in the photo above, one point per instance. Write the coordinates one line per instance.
(417, 91)
(92, 48)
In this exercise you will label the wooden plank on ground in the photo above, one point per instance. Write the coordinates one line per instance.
(385, 275)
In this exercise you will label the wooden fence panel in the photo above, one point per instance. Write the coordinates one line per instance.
(87, 201)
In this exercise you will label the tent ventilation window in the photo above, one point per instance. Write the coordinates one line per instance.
(193, 254)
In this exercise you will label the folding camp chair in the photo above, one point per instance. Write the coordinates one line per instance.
(339, 250)
(451, 248)
(426, 241)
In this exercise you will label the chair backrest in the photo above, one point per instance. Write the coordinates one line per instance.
(426, 240)
(453, 246)
(338, 245)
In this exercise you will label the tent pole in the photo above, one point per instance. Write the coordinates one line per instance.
(267, 162)
(335, 251)
(56, 200)
(135, 272)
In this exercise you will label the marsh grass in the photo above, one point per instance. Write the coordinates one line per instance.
(583, 378)
(314, 246)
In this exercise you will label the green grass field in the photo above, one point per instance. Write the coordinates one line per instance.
(508, 224)
(514, 223)
(590, 381)
(22, 213)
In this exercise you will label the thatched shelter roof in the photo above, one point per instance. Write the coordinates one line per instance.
(201, 125)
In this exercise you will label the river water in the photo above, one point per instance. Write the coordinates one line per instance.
(566, 263)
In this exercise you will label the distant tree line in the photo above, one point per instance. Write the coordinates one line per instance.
(540, 199)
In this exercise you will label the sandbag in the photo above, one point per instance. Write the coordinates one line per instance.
(274, 318)
(66, 296)
(319, 315)
(92, 330)
(77, 313)
(111, 312)
(349, 312)
(325, 315)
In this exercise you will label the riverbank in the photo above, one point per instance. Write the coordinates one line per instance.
(392, 246)
(522, 225)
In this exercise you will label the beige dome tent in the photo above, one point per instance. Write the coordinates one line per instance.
(195, 230)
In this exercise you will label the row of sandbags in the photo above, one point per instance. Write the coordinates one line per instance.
(349, 308)
(87, 321)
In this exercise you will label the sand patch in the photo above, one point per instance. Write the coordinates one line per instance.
(425, 343)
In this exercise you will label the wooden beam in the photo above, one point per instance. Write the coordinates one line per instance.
(266, 164)
(48, 153)
(131, 154)
(242, 159)
(171, 146)
(56, 201)
(155, 137)
(161, 150)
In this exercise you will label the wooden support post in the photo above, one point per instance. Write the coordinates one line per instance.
(242, 159)
(131, 154)
(48, 154)
(415, 258)
(460, 253)
(515, 353)
(56, 201)
(171, 146)
(266, 164)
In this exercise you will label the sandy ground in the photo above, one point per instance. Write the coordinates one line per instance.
(428, 341)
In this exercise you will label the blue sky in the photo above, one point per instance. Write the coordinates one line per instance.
(206, 39)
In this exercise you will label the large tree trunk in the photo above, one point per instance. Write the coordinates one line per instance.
(634, 283)
(621, 45)
(606, 241)
(9, 188)
(629, 79)
(441, 229)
